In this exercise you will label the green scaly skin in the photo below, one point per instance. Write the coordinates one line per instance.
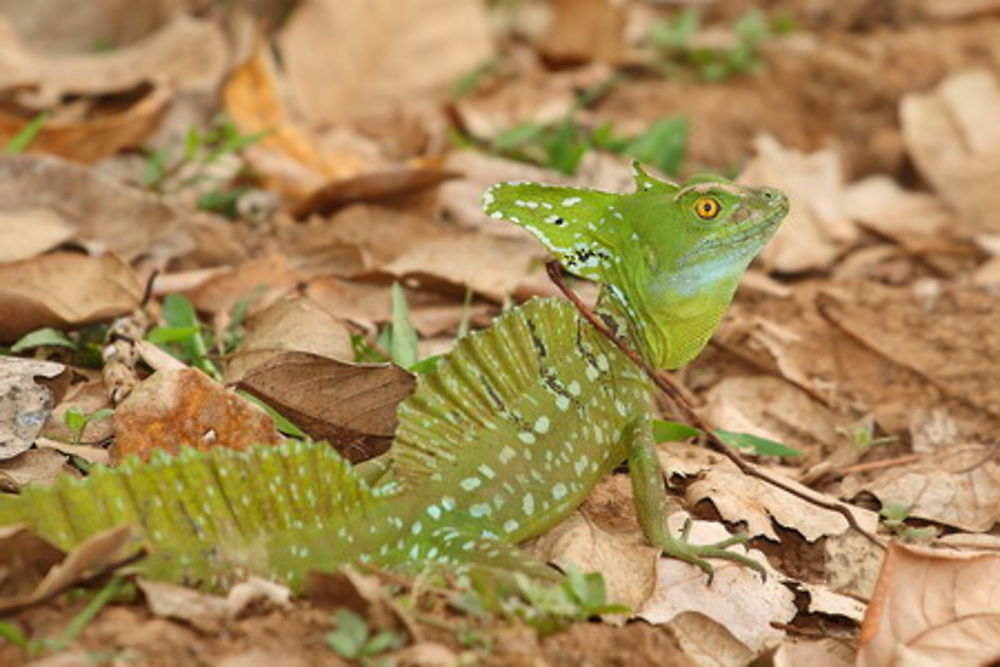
(497, 445)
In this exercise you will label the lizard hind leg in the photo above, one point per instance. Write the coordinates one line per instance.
(649, 492)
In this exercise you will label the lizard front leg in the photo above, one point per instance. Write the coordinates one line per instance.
(649, 492)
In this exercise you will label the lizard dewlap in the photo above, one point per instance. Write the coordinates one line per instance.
(500, 442)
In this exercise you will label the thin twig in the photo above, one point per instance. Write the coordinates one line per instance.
(667, 386)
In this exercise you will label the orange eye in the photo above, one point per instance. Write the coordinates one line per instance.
(707, 208)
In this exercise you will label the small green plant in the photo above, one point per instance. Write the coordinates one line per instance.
(670, 431)
(677, 44)
(166, 170)
(183, 336)
(44, 337)
(862, 437)
(352, 639)
(23, 139)
(76, 421)
(894, 516)
(397, 342)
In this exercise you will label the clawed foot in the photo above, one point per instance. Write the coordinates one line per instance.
(696, 554)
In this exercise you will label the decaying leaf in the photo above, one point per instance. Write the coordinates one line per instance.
(351, 405)
(297, 324)
(933, 607)
(62, 290)
(586, 30)
(185, 407)
(29, 389)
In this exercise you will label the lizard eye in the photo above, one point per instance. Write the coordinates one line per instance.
(707, 208)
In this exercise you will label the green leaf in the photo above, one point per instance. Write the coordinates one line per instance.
(565, 149)
(384, 640)
(668, 431)
(428, 365)
(75, 421)
(517, 136)
(756, 444)
(348, 638)
(23, 139)
(179, 312)
(13, 634)
(663, 144)
(165, 335)
(403, 344)
(280, 421)
(44, 337)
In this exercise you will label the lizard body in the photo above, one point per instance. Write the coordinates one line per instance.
(503, 440)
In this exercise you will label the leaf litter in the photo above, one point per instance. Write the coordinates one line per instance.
(865, 339)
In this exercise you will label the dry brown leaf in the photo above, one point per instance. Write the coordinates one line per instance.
(933, 607)
(171, 409)
(957, 9)
(737, 599)
(24, 560)
(626, 560)
(296, 324)
(708, 643)
(287, 156)
(880, 203)
(924, 328)
(351, 405)
(34, 466)
(958, 487)
(185, 53)
(30, 231)
(490, 266)
(87, 397)
(29, 389)
(63, 290)
(822, 653)
(94, 555)
(952, 137)
(256, 595)
(373, 186)
(583, 30)
(852, 564)
(105, 130)
(772, 408)
(740, 498)
(266, 279)
(203, 611)
(82, 204)
(817, 228)
(89, 453)
(346, 58)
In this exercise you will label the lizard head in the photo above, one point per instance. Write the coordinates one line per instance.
(670, 256)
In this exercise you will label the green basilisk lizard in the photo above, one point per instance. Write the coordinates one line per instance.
(502, 441)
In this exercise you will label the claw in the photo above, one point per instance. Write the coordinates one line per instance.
(696, 555)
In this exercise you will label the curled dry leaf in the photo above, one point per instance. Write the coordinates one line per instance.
(344, 58)
(817, 229)
(95, 555)
(351, 405)
(297, 324)
(737, 599)
(203, 611)
(185, 53)
(171, 409)
(265, 280)
(880, 203)
(740, 498)
(76, 203)
(64, 290)
(29, 389)
(953, 138)
(959, 487)
(933, 607)
(24, 560)
(105, 129)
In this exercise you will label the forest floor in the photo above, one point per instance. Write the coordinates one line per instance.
(186, 185)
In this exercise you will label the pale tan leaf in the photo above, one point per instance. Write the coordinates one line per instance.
(101, 212)
(958, 487)
(880, 203)
(737, 599)
(822, 653)
(583, 30)
(817, 228)
(34, 466)
(933, 607)
(952, 137)
(958, 9)
(203, 611)
(296, 324)
(344, 58)
(708, 643)
(29, 231)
